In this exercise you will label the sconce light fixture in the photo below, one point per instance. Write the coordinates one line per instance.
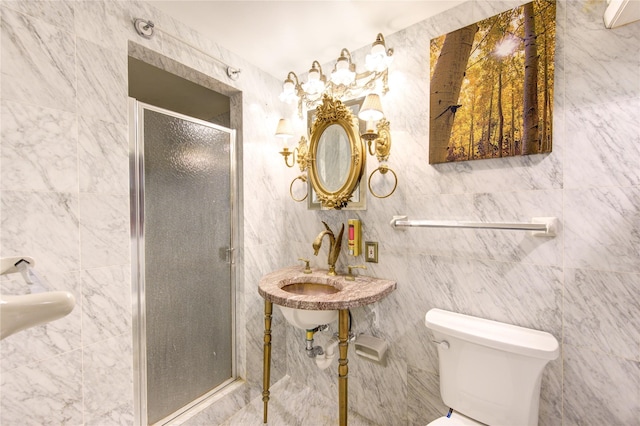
(284, 131)
(344, 72)
(315, 80)
(378, 139)
(344, 81)
(299, 153)
(380, 57)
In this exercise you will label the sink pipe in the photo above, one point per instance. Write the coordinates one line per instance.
(334, 249)
(313, 351)
(324, 356)
(324, 360)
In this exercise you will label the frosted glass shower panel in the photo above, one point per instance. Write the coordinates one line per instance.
(187, 231)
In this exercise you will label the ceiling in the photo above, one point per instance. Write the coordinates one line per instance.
(283, 36)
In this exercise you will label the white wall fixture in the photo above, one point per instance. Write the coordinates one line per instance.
(40, 307)
(621, 12)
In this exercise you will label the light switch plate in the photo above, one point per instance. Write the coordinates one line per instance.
(371, 251)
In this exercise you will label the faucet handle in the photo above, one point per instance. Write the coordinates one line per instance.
(307, 269)
(350, 276)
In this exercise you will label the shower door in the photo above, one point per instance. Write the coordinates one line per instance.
(182, 203)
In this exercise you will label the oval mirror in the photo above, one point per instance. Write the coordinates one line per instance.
(335, 153)
(333, 157)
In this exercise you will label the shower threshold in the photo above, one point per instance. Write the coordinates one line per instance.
(190, 410)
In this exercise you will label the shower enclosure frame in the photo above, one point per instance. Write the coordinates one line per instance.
(136, 172)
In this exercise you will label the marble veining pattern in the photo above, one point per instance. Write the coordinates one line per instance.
(107, 381)
(44, 157)
(49, 392)
(599, 131)
(587, 378)
(103, 153)
(609, 323)
(101, 75)
(104, 230)
(38, 62)
(424, 404)
(606, 235)
(109, 20)
(57, 13)
(107, 303)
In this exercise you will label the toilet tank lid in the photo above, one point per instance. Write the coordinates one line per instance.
(498, 335)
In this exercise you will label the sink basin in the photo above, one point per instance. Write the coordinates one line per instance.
(20, 312)
(307, 319)
(312, 289)
(309, 300)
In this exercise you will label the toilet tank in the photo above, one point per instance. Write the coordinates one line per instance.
(490, 371)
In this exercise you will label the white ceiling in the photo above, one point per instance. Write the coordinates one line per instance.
(283, 36)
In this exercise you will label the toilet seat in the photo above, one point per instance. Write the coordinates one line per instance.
(456, 419)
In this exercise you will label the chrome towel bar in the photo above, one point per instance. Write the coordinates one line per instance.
(540, 226)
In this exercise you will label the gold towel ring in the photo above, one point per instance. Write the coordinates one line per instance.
(383, 169)
(303, 178)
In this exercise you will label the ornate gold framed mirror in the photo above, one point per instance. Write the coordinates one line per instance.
(336, 154)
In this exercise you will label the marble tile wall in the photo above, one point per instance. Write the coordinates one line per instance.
(64, 201)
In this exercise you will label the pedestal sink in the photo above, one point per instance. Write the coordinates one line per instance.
(309, 300)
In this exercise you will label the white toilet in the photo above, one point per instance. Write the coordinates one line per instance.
(490, 372)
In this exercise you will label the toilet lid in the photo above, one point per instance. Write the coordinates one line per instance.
(456, 419)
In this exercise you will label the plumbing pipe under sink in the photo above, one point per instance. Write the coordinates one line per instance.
(323, 361)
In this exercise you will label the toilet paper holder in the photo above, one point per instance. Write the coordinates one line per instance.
(371, 348)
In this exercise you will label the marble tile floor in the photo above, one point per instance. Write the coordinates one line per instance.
(291, 404)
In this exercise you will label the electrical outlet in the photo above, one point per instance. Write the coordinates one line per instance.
(371, 251)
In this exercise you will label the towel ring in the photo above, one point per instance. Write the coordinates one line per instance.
(383, 169)
(303, 178)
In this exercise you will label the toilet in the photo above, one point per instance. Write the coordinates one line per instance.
(490, 372)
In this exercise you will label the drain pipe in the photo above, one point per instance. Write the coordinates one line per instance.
(313, 351)
(324, 359)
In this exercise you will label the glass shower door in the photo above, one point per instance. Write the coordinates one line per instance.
(183, 246)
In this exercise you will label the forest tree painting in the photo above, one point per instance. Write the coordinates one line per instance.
(492, 86)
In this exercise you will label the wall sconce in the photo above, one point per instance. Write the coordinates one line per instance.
(344, 82)
(371, 112)
(380, 138)
(285, 131)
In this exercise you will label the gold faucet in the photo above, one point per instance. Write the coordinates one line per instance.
(334, 250)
